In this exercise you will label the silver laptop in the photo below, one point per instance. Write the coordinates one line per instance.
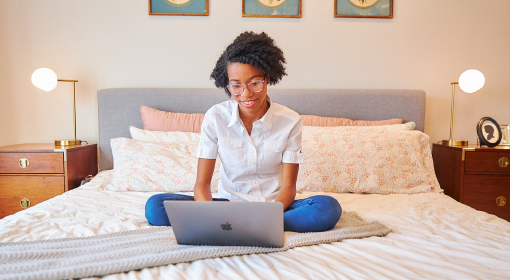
(226, 223)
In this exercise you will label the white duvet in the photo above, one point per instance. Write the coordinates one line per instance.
(433, 237)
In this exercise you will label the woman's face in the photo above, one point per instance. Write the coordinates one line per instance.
(251, 104)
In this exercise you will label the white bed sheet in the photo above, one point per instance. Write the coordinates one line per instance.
(433, 237)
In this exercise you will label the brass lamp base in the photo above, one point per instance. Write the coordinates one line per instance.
(67, 142)
(454, 143)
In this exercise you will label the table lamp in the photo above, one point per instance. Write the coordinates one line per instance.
(46, 80)
(470, 81)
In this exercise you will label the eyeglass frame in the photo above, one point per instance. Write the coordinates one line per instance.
(245, 87)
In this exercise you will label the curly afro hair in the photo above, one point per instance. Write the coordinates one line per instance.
(258, 50)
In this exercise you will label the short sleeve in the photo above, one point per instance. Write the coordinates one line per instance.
(208, 147)
(292, 153)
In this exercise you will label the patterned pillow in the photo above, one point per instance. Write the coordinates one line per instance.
(155, 166)
(366, 160)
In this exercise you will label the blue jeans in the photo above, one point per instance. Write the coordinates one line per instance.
(316, 213)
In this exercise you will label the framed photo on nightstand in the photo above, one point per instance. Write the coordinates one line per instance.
(489, 132)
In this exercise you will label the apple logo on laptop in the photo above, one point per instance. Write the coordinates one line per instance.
(226, 226)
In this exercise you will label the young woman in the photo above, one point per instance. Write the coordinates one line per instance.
(258, 141)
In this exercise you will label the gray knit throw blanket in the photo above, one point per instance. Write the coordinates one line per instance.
(136, 249)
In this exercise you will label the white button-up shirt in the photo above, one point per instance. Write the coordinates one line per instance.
(251, 164)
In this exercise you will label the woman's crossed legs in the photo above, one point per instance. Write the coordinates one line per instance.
(312, 214)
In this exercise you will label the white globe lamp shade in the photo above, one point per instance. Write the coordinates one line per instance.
(44, 79)
(471, 81)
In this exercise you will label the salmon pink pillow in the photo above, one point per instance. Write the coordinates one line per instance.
(157, 120)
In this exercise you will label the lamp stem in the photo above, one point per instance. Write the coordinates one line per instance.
(74, 109)
(453, 108)
(452, 142)
(74, 141)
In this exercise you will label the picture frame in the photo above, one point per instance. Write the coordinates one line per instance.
(179, 7)
(505, 132)
(272, 8)
(489, 132)
(363, 8)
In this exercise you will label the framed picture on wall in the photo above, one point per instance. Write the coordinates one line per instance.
(272, 8)
(364, 8)
(179, 7)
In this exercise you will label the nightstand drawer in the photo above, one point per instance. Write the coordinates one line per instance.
(16, 163)
(35, 189)
(487, 162)
(482, 192)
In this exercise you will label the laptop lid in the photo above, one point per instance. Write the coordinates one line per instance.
(226, 223)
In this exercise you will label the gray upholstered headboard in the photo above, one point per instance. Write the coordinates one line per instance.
(119, 108)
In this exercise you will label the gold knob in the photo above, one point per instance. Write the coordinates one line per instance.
(24, 203)
(503, 162)
(501, 201)
(24, 163)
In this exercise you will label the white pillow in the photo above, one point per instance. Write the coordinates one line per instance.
(162, 136)
(405, 126)
(155, 166)
(360, 160)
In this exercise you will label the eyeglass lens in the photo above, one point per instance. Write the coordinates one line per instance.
(237, 89)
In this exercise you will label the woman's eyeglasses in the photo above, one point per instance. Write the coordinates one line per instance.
(237, 89)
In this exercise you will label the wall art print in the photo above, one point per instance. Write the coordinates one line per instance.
(364, 8)
(272, 8)
(179, 7)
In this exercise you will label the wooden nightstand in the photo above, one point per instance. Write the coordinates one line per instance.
(476, 176)
(33, 173)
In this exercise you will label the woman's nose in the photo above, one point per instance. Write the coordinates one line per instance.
(246, 92)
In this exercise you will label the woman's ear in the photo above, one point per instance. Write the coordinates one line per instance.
(268, 79)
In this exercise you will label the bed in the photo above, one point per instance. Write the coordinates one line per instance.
(433, 236)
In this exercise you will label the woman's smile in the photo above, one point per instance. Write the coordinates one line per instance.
(249, 103)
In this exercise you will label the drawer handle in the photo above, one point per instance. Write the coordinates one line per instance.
(501, 201)
(503, 162)
(24, 163)
(24, 203)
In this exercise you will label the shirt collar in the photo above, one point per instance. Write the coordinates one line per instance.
(266, 119)
(235, 115)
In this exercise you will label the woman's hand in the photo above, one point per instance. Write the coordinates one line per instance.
(288, 189)
(202, 189)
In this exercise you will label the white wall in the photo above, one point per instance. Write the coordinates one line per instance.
(115, 43)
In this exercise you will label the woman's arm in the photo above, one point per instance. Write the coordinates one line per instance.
(202, 189)
(288, 189)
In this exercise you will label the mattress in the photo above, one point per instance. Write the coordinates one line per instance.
(433, 237)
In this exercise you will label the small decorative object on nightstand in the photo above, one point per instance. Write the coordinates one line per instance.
(476, 176)
(33, 173)
(505, 132)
